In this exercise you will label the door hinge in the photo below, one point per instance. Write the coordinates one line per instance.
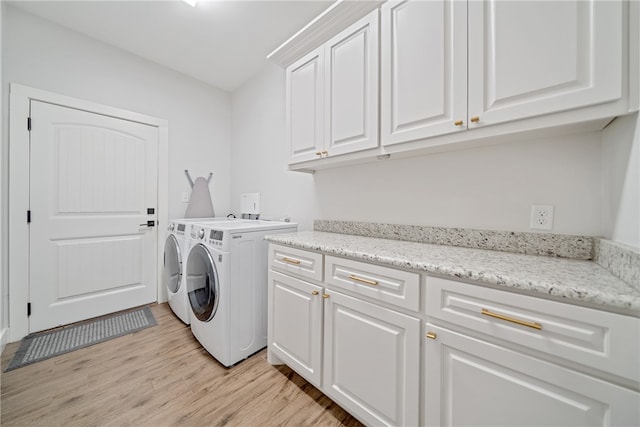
(28, 309)
(28, 217)
(29, 123)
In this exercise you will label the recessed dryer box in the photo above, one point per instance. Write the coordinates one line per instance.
(250, 203)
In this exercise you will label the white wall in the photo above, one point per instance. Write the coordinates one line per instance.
(487, 188)
(259, 152)
(46, 56)
(621, 181)
(484, 188)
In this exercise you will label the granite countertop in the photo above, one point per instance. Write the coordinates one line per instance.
(569, 280)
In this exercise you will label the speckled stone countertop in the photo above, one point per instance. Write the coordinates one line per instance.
(575, 281)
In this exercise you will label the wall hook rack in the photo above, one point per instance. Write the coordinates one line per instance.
(186, 172)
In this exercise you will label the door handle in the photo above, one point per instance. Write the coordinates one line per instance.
(148, 224)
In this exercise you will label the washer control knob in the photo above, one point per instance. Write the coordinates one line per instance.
(201, 234)
(172, 226)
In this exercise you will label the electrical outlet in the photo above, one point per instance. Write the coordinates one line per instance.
(542, 217)
(185, 197)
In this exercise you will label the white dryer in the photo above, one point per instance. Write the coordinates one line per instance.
(226, 278)
(176, 251)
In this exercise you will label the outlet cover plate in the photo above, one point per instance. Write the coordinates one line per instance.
(542, 217)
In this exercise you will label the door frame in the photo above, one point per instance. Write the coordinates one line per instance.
(19, 104)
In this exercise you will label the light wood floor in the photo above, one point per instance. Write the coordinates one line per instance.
(159, 376)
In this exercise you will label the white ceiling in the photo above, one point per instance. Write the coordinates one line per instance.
(221, 42)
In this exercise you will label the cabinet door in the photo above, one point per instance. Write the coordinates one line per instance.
(471, 382)
(423, 69)
(351, 70)
(304, 103)
(529, 58)
(295, 324)
(371, 360)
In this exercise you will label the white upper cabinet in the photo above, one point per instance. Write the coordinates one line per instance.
(523, 59)
(351, 103)
(530, 58)
(305, 113)
(447, 67)
(423, 69)
(332, 95)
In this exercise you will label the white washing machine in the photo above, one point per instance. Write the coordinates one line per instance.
(176, 251)
(226, 278)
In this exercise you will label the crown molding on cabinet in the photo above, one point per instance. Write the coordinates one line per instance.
(336, 18)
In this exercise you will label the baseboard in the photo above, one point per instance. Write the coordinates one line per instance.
(4, 337)
(272, 359)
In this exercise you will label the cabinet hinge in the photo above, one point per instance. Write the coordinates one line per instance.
(28, 309)
(29, 123)
(28, 217)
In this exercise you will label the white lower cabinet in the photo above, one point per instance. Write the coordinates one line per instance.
(471, 382)
(295, 324)
(496, 358)
(363, 355)
(371, 360)
(488, 357)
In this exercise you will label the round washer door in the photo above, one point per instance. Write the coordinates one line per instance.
(172, 264)
(202, 283)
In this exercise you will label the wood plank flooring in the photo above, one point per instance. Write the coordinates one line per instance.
(159, 376)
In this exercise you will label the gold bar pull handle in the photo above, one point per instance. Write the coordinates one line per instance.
(291, 261)
(458, 123)
(431, 335)
(533, 325)
(361, 280)
(474, 119)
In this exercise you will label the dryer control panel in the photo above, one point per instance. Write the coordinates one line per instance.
(216, 235)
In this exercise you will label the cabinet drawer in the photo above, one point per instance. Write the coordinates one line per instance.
(296, 261)
(601, 340)
(396, 287)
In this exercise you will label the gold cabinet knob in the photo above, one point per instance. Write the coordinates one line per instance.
(458, 122)
(315, 293)
(325, 296)
(474, 119)
(318, 153)
(431, 335)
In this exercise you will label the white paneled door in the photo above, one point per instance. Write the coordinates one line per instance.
(93, 189)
